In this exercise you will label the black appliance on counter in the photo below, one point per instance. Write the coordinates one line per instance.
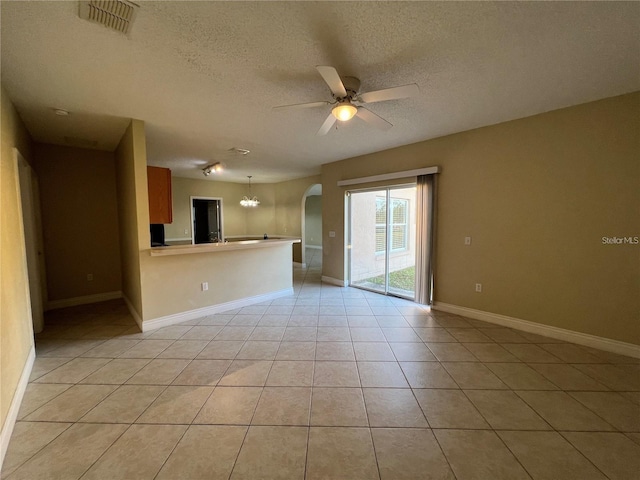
(157, 235)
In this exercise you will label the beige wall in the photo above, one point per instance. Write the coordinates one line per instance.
(288, 199)
(172, 283)
(313, 220)
(133, 209)
(536, 195)
(289, 196)
(79, 220)
(234, 216)
(279, 212)
(262, 219)
(165, 292)
(16, 330)
(239, 221)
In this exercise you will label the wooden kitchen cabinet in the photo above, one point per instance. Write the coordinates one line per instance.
(160, 200)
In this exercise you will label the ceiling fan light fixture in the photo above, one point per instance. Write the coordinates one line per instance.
(344, 111)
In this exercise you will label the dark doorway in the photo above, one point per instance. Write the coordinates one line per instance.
(207, 220)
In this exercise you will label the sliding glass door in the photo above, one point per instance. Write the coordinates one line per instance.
(368, 240)
(382, 233)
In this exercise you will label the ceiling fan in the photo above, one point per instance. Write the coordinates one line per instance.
(347, 100)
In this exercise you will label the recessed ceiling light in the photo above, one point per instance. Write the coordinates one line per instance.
(61, 112)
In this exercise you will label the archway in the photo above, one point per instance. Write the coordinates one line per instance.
(306, 219)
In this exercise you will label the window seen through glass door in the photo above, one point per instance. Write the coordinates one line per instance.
(382, 240)
(399, 224)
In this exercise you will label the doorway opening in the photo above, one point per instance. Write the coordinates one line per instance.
(382, 240)
(206, 220)
(311, 227)
(31, 218)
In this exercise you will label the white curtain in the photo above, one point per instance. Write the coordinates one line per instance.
(424, 238)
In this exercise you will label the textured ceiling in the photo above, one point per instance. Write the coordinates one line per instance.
(204, 76)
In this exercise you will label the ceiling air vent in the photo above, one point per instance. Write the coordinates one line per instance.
(241, 151)
(115, 14)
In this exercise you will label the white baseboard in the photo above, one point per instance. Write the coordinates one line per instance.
(84, 300)
(334, 281)
(168, 320)
(315, 247)
(134, 313)
(14, 408)
(301, 265)
(615, 346)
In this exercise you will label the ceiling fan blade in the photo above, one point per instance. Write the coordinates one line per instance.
(373, 119)
(326, 126)
(331, 77)
(390, 93)
(302, 105)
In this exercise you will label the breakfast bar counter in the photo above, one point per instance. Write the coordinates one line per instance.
(192, 281)
(221, 246)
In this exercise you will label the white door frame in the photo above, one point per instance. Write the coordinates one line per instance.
(303, 223)
(193, 232)
(32, 236)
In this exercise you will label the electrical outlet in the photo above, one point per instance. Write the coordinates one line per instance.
(89, 277)
(332, 234)
(186, 232)
(478, 287)
(204, 286)
(467, 240)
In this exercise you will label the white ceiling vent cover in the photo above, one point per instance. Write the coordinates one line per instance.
(115, 14)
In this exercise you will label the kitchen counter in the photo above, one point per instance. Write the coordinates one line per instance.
(221, 247)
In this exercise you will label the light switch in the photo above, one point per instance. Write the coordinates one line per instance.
(332, 234)
(467, 240)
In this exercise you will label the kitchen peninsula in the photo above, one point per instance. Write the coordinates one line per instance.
(222, 246)
(193, 281)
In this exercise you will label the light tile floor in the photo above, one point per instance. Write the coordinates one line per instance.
(331, 383)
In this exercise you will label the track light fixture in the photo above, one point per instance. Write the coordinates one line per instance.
(213, 168)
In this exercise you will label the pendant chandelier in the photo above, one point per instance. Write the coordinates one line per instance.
(249, 201)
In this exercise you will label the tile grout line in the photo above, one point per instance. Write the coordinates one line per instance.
(444, 455)
(105, 450)
(172, 450)
(255, 408)
(582, 454)
(71, 424)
